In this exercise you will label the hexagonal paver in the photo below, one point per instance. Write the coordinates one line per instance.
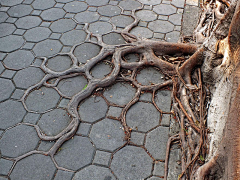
(176, 19)
(94, 172)
(10, 3)
(122, 20)
(156, 142)
(100, 27)
(6, 29)
(20, 10)
(10, 43)
(42, 100)
(1, 68)
(142, 32)
(150, 75)
(6, 89)
(52, 14)
(18, 59)
(107, 134)
(163, 100)
(47, 47)
(87, 17)
(73, 37)
(113, 39)
(129, 4)
(53, 122)
(63, 1)
(109, 10)
(120, 93)
(178, 3)
(62, 25)
(146, 15)
(101, 70)
(11, 113)
(89, 110)
(131, 163)
(63, 175)
(43, 4)
(28, 77)
(82, 51)
(150, 2)
(3, 16)
(59, 63)
(172, 36)
(18, 141)
(34, 167)
(142, 117)
(164, 9)
(28, 22)
(72, 86)
(97, 3)
(75, 7)
(37, 34)
(75, 153)
(161, 26)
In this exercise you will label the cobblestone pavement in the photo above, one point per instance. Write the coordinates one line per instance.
(30, 29)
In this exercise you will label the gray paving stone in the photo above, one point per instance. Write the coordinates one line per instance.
(28, 22)
(174, 168)
(2, 56)
(1, 68)
(101, 70)
(159, 169)
(11, 43)
(131, 163)
(132, 57)
(178, 3)
(149, 76)
(156, 142)
(75, 7)
(177, 28)
(5, 166)
(142, 23)
(69, 15)
(10, 3)
(11, 113)
(107, 135)
(4, 9)
(73, 37)
(82, 52)
(154, 178)
(42, 100)
(28, 1)
(163, 17)
(59, 63)
(142, 32)
(172, 36)
(113, 39)
(158, 35)
(47, 47)
(62, 25)
(165, 120)
(45, 145)
(122, 20)
(34, 167)
(137, 138)
(18, 141)
(37, 34)
(112, 2)
(20, 10)
(89, 110)
(109, 10)
(94, 172)
(97, 3)
(163, 100)
(63, 175)
(3, 16)
(31, 118)
(8, 74)
(94, 9)
(84, 129)
(53, 122)
(66, 49)
(146, 15)
(18, 59)
(87, 17)
(28, 46)
(63, 1)
(19, 32)
(63, 103)
(6, 89)
(100, 27)
(150, 2)
(52, 14)
(28, 77)
(166, 1)
(164, 9)
(120, 93)
(146, 96)
(18, 93)
(161, 26)
(43, 4)
(11, 20)
(192, 2)
(142, 117)
(6, 29)
(102, 158)
(55, 36)
(176, 19)
(129, 4)
(114, 111)
(45, 24)
(72, 86)
(75, 153)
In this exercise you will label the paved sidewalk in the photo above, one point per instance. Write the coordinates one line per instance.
(30, 29)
